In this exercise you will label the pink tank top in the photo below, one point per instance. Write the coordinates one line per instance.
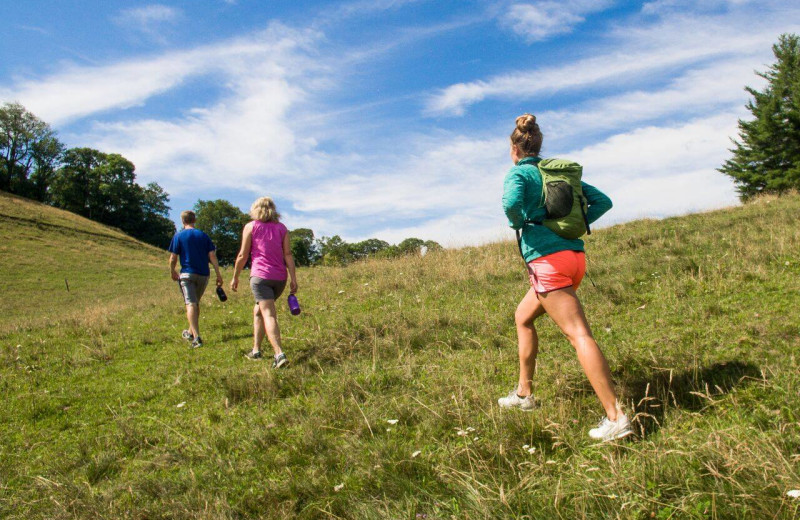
(266, 251)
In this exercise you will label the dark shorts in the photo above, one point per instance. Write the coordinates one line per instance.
(266, 289)
(192, 287)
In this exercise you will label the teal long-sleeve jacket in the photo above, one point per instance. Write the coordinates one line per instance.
(522, 193)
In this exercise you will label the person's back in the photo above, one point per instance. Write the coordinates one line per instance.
(192, 247)
(195, 250)
(266, 251)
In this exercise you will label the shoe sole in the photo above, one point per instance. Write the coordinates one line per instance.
(253, 358)
(281, 363)
(512, 407)
(620, 435)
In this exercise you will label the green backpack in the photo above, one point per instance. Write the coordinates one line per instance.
(562, 198)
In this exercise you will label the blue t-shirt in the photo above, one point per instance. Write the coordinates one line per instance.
(192, 247)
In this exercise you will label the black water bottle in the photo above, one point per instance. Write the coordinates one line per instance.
(221, 294)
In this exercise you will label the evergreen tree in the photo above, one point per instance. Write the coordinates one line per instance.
(767, 159)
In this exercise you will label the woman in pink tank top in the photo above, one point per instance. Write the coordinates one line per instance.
(265, 241)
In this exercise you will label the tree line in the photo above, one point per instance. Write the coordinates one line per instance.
(99, 186)
(223, 222)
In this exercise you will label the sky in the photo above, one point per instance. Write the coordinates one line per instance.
(390, 118)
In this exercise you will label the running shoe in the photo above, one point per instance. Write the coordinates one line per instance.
(197, 342)
(280, 360)
(255, 356)
(608, 430)
(512, 400)
(187, 335)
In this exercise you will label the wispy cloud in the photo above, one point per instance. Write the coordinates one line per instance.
(149, 21)
(639, 52)
(539, 20)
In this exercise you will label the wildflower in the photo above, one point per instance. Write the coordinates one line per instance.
(416, 454)
(181, 405)
(526, 446)
(470, 429)
(795, 493)
(531, 450)
(341, 292)
(461, 433)
(392, 421)
(338, 487)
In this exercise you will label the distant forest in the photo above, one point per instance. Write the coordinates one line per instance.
(102, 187)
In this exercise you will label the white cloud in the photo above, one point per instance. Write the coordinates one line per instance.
(704, 90)
(641, 53)
(660, 171)
(540, 20)
(150, 21)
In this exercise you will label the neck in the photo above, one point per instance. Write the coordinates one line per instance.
(188, 226)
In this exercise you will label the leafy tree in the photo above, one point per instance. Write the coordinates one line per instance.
(303, 247)
(367, 248)
(410, 245)
(223, 222)
(334, 251)
(29, 152)
(103, 187)
(767, 159)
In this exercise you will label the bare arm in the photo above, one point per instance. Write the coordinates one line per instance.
(289, 260)
(244, 254)
(212, 256)
(173, 264)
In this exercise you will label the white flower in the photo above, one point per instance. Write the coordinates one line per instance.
(416, 454)
(526, 446)
(341, 292)
(181, 405)
(795, 493)
(338, 487)
(531, 450)
(392, 421)
(461, 433)
(476, 438)
(470, 429)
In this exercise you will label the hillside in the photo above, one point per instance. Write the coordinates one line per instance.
(109, 414)
(64, 266)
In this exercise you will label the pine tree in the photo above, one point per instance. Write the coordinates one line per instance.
(767, 159)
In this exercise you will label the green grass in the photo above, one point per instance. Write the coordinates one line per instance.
(701, 331)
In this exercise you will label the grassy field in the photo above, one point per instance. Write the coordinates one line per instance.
(107, 414)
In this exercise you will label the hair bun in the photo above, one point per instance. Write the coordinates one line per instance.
(526, 123)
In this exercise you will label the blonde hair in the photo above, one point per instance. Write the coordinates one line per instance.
(188, 217)
(263, 209)
(527, 136)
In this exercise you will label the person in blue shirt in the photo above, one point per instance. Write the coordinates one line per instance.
(195, 250)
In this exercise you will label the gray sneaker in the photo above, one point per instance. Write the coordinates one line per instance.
(255, 356)
(512, 400)
(279, 361)
(197, 342)
(187, 335)
(609, 430)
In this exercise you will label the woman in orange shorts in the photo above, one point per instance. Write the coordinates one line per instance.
(556, 267)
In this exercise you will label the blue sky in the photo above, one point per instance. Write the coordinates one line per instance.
(390, 118)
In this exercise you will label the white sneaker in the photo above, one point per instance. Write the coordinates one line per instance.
(512, 400)
(609, 430)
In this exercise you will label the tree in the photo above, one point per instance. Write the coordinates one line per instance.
(29, 152)
(301, 241)
(103, 187)
(334, 251)
(410, 246)
(767, 159)
(223, 222)
(366, 248)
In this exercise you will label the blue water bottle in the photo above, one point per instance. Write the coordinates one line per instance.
(294, 305)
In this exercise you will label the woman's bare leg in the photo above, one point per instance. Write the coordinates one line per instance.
(566, 311)
(270, 315)
(258, 329)
(527, 340)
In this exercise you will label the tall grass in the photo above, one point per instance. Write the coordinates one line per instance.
(697, 315)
